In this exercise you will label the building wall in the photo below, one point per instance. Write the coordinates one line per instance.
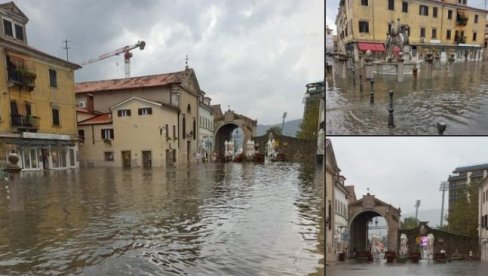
(378, 15)
(206, 128)
(188, 144)
(483, 215)
(135, 133)
(341, 217)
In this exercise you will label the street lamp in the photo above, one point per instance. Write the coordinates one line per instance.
(444, 187)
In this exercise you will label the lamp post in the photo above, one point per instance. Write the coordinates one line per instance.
(417, 205)
(283, 124)
(444, 187)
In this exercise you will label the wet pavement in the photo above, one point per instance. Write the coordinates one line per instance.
(456, 95)
(216, 219)
(454, 268)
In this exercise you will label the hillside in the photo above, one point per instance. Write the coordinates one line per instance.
(291, 128)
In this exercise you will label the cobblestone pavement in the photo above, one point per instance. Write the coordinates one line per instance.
(454, 268)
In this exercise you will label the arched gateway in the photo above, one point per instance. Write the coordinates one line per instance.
(360, 214)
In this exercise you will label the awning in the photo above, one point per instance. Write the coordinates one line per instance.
(373, 47)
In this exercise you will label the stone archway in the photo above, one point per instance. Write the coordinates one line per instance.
(361, 212)
(226, 123)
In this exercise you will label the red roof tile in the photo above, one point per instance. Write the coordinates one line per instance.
(135, 82)
(105, 118)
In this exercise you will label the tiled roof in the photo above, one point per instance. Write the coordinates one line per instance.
(105, 118)
(471, 168)
(134, 82)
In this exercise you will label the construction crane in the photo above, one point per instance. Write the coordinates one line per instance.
(127, 55)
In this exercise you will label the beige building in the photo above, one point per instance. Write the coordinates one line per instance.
(136, 133)
(331, 177)
(483, 215)
(37, 99)
(176, 92)
(434, 27)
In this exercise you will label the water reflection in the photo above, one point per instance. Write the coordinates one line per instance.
(456, 95)
(219, 219)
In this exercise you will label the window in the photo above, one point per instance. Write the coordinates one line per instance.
(391, 5)
(194, 129)
(19, 32)
(145, 111)
(81, 134)
(364, 2)
(475, 18)
(55, 113)
(7, 28)
(363, 26)
(404, 6)
(167, 130)
(28, 110)
(448, 34)
(184, 127)
(53, 81)
(422, 32)
(434, 12)
(474, 36)
(424, 10)
(109, 155)
(434, 33)
(123, 113)
(449, 14)
(107, 133)
(174, 131)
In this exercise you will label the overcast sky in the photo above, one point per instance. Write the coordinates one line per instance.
(332, 6)
(255, 56)
(400, 170)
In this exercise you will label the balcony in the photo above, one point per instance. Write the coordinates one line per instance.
(25, 122)
(22, 78)
(460, 39)
(461, 20)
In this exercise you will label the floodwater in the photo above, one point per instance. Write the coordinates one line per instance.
(454, 268)
(214, 219)
(456, 95)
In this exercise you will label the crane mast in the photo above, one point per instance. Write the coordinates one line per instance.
(127, 55)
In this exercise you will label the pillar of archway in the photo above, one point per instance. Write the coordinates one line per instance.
(360, 213)
(226, 123)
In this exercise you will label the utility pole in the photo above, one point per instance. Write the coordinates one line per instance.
(444, 187)
(66, 48)
(417, 204)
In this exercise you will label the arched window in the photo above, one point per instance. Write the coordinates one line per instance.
(184, 127)
(188, 109)
(194, 129)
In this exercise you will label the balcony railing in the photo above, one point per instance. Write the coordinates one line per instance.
(460, 39)
(22, 78)
(461, 20)
(25, 121)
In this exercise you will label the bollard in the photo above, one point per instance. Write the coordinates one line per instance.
(391, 124)
(353, 76)
(414, 70)
(372, 92)
(441, 127)
(360, 82)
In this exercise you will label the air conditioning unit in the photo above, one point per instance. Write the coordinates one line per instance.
(82, 104)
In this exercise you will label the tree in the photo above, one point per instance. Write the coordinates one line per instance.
(463, 216)
(309, 125)
(409, 223)
(275, 129)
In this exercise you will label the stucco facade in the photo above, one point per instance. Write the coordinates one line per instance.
(136, 133)
(206, 138)
(331, 176)
(341, 220)
(483, 218)
(179, 90)
(37, 103)
(435, 27)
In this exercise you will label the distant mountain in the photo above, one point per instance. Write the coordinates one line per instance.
(291, 128)
(433, 216)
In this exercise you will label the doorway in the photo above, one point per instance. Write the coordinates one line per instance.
(126, 159)
(146, 159)
(45, 158)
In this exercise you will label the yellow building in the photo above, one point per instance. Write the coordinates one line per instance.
(37, 99)
(434, 27)
(178, 96)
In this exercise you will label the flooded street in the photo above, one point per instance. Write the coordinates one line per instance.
(215, 219)
(455, 268)
(456, 96)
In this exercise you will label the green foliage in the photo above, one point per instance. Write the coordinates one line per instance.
(409, 223)
(309, 125)
(463, 217)
(275, 129)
